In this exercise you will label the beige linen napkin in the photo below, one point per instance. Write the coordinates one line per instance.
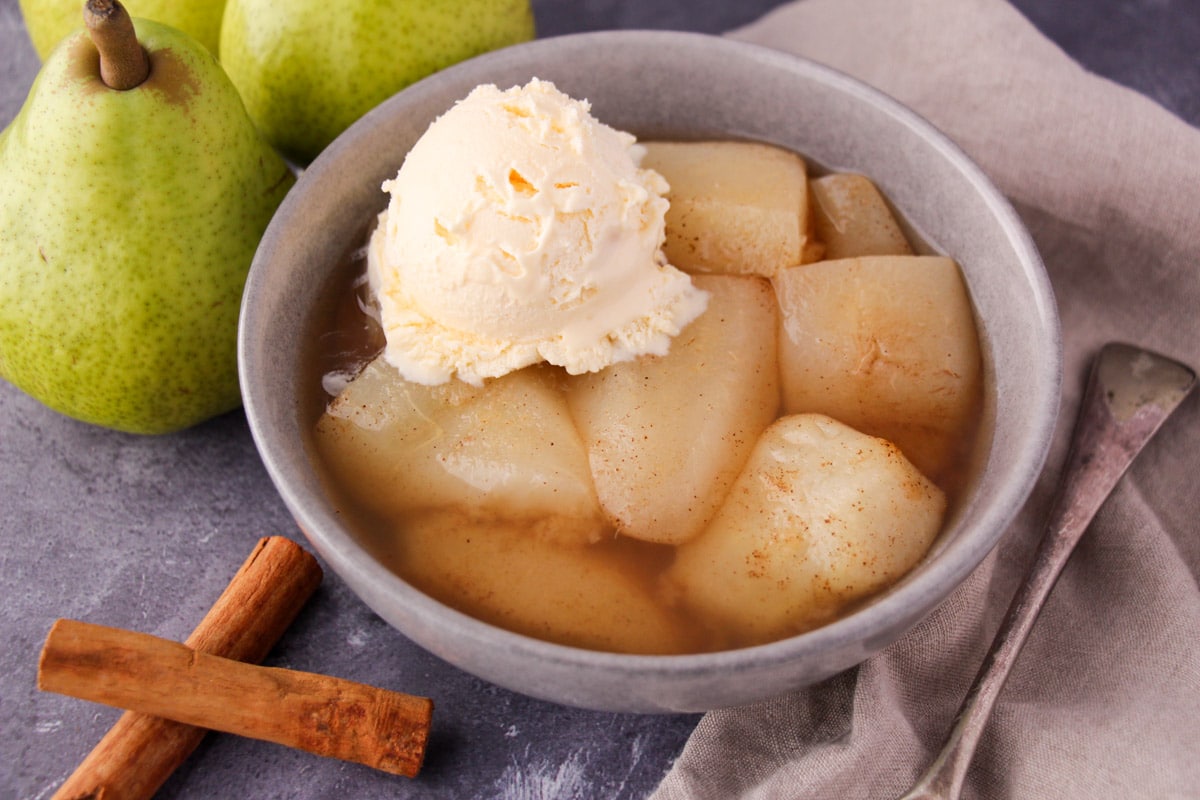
(1105, 699)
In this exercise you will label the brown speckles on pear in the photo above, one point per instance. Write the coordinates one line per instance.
(172, 78)
(168, 75)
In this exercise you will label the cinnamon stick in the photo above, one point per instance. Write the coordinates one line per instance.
(140, 752)
(317, 713)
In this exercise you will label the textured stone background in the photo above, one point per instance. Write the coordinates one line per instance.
(144, 533)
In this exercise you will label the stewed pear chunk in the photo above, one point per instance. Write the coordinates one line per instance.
(580, 595)
(851, 218)
(886, 344)
(667, 435)
(508, 448)
(821, 516)
(736, 207)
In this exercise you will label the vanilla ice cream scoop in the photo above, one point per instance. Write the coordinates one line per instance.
(521, 230)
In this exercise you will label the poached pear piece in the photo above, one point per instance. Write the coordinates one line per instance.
(887, 345)
(737, 208)
(130, 218)
(495, 571)
(851, 218)
(667, 435)
(821, 516)
(507, 449)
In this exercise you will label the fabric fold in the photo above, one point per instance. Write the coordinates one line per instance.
(1105, 699)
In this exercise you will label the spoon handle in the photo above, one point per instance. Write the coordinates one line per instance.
(1129, 395)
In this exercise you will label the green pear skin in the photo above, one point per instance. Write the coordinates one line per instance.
(307, 69)
(48, 22)
(129, 223)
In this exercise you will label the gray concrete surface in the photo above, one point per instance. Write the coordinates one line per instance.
(145, 532)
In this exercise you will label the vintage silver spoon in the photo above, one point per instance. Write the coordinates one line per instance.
(1129, 394)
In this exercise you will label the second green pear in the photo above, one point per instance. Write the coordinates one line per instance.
(50, 21)
(307, 69)
(129, 221)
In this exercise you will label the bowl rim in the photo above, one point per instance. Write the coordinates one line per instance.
(892, 611)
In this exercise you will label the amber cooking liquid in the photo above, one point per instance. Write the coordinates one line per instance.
(350, 337)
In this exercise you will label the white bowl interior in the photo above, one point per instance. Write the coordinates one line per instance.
(668, 85)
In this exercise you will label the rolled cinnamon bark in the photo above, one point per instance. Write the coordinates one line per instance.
(317, 713)
(140, 751)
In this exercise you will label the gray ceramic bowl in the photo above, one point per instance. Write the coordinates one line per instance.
(667, 85)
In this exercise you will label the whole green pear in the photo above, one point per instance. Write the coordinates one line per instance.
(48, 22)
(129, 220)
(307, 69)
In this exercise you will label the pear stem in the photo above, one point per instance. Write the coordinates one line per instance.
(123, 62)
